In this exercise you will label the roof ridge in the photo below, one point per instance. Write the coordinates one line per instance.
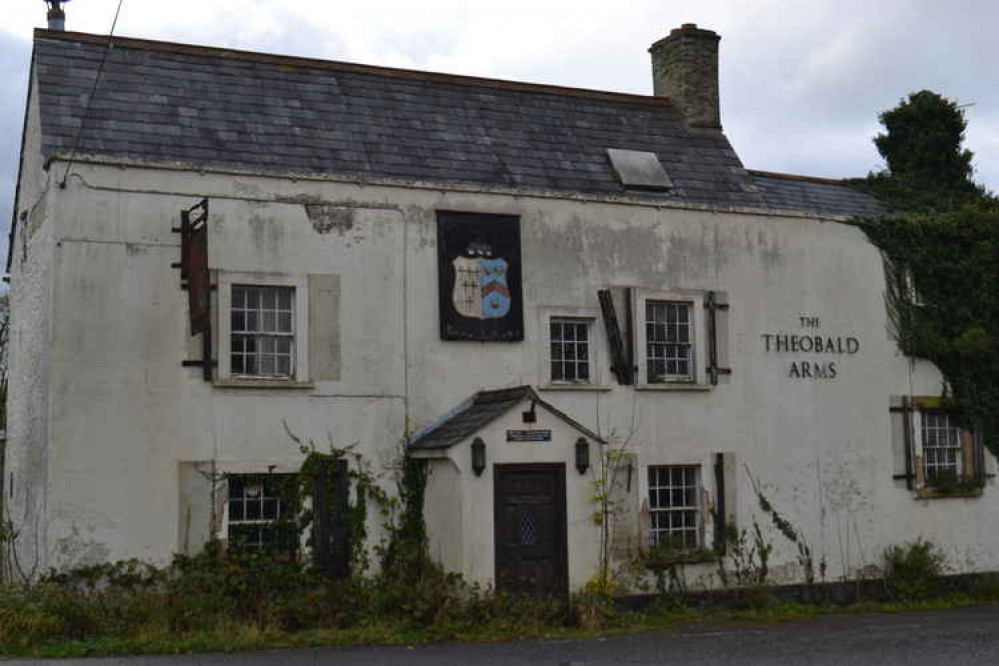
(356, 68)
(797, 177)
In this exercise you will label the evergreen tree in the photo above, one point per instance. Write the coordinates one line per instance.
(923, 143)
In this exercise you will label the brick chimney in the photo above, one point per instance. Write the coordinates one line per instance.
(685, 69)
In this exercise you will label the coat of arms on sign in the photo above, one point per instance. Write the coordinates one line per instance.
(480, 288)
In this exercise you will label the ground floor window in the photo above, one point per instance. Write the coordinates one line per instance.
(674, 504)
(262, 513)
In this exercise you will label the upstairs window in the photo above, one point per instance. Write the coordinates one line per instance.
(262, 331)
(570, 340)
(668, 341)
(942, 452)
(934, 453)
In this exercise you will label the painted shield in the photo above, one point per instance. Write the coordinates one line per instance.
(495, 292)
(480, 288)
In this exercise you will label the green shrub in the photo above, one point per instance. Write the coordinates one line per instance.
(913, 570)
(39, 613)
(593, 605)
(986, 588)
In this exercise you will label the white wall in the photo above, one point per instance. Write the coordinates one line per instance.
(26, 486)
(124, 413)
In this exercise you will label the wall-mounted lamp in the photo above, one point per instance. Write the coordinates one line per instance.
(582, 455)
(478, 456)
(530, 416)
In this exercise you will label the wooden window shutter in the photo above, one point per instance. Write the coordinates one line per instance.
(903, 440)
(196, 279)
(971, 446)
(717, 336)
(331, 525)
(621, 353)
(724, 512)
(194, 265)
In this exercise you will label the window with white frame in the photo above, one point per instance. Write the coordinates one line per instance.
(674, 504)
(262, 513)
(262, 331)
(570, 341)
(669, 341)
(941, 447)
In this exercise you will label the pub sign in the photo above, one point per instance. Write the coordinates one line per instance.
(478, 259)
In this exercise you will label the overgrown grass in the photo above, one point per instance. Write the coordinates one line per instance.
(214, 603)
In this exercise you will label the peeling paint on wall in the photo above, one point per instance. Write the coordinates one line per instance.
(75, 550)
(327, 217)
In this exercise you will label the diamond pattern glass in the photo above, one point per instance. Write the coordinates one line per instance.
(528, 529)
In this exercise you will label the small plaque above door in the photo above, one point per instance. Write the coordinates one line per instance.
(528, 435)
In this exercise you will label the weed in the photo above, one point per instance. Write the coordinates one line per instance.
(913, 570)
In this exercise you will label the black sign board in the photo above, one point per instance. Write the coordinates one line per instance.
(528, 435)
(478, 259)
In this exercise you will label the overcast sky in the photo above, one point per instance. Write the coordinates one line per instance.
(802, 82)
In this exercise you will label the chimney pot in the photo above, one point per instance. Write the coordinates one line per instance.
(685, 69)
(56, 16)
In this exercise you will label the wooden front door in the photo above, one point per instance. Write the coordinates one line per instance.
(530, 525)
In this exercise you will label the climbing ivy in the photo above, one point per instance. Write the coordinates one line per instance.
(943, 301)
(406, 551)
(941, 250)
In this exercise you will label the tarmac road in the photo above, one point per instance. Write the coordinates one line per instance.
(951, 638)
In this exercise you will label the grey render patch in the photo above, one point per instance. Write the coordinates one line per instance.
(637, 169)
(326, 217)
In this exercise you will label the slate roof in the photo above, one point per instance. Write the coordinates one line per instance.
(165, 102)
(801, 194)
(479, 411)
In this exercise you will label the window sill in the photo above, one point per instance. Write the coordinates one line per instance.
(574, 387)
(674, 386)
(702, 556)
(261, 384)
(933, 493)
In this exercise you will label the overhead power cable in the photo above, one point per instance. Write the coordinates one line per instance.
(90, 99)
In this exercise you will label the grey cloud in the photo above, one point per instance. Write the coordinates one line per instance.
(807, 100)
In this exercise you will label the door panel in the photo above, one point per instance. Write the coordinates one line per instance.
(531, 529)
